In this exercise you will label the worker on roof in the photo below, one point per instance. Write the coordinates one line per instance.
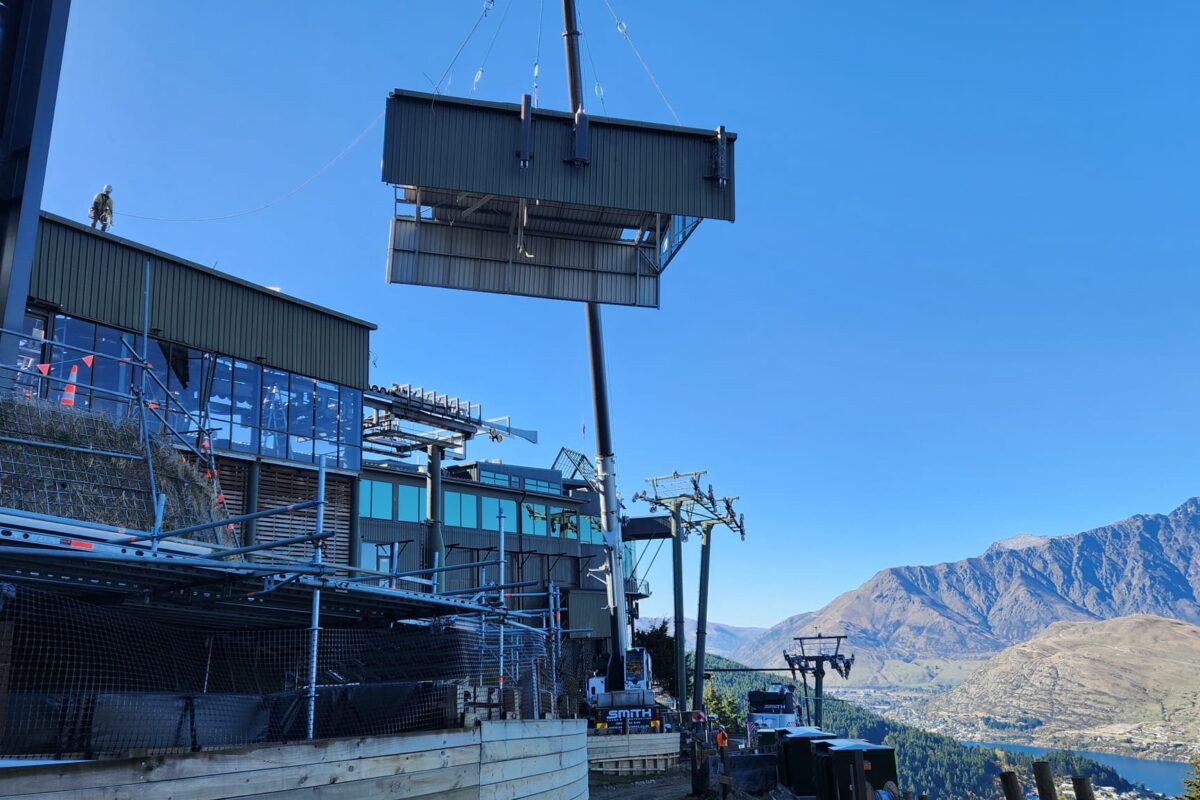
(101, 212)
(722, 740)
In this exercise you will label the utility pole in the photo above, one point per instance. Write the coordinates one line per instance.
(606, 473)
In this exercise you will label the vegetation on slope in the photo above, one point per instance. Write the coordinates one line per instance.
(928, 762)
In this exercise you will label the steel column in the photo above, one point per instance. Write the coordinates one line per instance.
(680, 629)
(32, 34)
(315, 628)
(435, 542)
(706, 533)
(250, 529)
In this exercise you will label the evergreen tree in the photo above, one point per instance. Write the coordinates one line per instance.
(1191, 784)
(660, 645)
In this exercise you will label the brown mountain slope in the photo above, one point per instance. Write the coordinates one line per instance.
(932, 624)
(1112, 684)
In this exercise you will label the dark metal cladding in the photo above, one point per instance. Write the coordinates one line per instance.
(438, 142)
(99, 276)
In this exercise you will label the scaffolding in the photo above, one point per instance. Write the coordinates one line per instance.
(134, 616)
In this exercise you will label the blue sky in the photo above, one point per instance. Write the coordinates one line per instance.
(959, 302)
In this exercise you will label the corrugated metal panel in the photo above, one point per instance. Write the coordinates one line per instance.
(588, 610)
(484, 261)
(100, 277)
(470, 146)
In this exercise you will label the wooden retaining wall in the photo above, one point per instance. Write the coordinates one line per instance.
(632, 754)
(510, 760)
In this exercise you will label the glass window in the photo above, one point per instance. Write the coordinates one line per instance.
(325, 415)
(490, 507)
(350, 458)
(375, 499)
(410, 503)
(245, 407)
(350, 413)
(274, 413)
(589, 530)
(301, 409)
(115, 373)
(156, 379)
(545, 487)
(534, 520)
(74, 333)
(470, 510)
(30, 351)
(563, 523)
(185, 376)
(220, 403)
(460, 510)
(498, 479)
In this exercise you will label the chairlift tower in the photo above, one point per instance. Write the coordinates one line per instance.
(511, 199)
(692, 510)
(811, 656)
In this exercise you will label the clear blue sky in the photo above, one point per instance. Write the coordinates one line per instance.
(960, 300)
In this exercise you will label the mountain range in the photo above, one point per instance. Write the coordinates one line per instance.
(1131, 681)
(721, 639)
(934, 625)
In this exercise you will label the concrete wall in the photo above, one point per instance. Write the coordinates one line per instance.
(511, 760)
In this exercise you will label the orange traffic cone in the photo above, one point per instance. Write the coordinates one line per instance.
(68, 397)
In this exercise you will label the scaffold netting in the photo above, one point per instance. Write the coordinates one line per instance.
(82, 679)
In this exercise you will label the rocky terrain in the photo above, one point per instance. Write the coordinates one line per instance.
(934, 625)
(1131, 683)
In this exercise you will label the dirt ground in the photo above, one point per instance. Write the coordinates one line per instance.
(673, 785)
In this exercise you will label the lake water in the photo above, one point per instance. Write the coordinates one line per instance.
(1157, 776)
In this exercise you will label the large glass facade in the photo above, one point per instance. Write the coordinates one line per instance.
(375, 499)
(410, 504)
(490, 508)
(461, 509)
(533, 521)
(250, 408)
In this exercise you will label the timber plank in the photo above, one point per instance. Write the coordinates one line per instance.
(526, 748)
(378, 789)
(425, 767)
(521, 788)
(633, 745)
(570, 791)
(115, 772)
(507, 730)
(502, 771)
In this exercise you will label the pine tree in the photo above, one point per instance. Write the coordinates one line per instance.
(1191, 784)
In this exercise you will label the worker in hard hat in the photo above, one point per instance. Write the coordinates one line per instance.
(722, 741)
(101, 212)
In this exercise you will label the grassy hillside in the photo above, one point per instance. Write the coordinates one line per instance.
(928, 762)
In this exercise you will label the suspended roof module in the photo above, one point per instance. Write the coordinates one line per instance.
(504, 198)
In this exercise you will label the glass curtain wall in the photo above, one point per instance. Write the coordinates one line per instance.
(251, 408)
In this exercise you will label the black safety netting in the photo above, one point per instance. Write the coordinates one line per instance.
(83, 679)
